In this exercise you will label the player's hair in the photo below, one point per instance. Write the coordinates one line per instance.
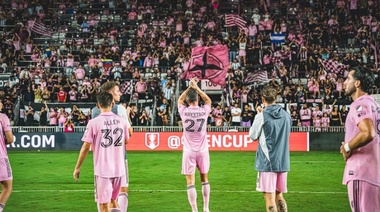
(269, 93)
(108, 86)
(104, 99)
(192, 95)
(365, 76)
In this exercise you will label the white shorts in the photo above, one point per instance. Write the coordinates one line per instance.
(107, 189)
(271, 182)
(190, 160)
(5, 170)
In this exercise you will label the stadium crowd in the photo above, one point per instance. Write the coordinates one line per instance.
(146, 45)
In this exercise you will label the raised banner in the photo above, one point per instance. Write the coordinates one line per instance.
(151, 141)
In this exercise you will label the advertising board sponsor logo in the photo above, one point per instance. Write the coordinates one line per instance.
(152, 140)
(33, 141)
(229, 140)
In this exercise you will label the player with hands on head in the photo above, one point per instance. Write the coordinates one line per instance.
(195, 146)
(361, 145)
(108, 134)
(271, 127)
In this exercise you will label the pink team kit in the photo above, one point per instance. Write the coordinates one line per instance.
(271, 182)
(109, 148)
(363, 180)
(5, 167)
(195, 146)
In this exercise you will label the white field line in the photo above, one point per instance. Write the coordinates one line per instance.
(179, 191)
(316, 161)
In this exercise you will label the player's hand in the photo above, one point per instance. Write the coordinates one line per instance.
(345, 154)
(76, 175)
(193, 82)
(259, 109)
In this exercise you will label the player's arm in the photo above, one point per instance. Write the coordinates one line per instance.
(366, 134)
(130, 131)
(256, 128)
(203, 95)
(182, 98)
(9, 137)
(82, 155)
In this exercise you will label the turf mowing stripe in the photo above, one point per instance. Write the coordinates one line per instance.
(216, 191)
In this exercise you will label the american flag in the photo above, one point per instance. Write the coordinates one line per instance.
(234, 20)
(40, 28)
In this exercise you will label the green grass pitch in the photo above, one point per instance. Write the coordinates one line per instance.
(43, 182)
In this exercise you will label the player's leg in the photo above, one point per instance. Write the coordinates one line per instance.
(103, 193)
(203, 162)
(123, 195)
(188, 169)
(270, 201)
(191, 192)
(5, 192)
(104, 207)
(281, 187)
(266, 183)
(6, 182)
(116, 187)
(281, 203)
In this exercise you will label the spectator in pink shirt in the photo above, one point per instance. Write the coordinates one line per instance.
(86, 82)
(169, 21)
(143, 25)
(262, 25)
(252, 31)
(268, 26)
(141, 87)
(62, 116)
(148, 61)
(69, 64)
(339, 87)
(140, 32)
(179, 25)
(132, 16)
(80, 73)
(53, 117)
(73, 95)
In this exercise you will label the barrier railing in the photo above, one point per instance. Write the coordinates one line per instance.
(51, 129)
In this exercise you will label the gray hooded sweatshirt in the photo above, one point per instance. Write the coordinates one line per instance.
(272, 129)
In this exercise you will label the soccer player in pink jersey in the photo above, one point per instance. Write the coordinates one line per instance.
(114, 90)
(109, 134)
(195, 146)
(6, 177)
(361, 146)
